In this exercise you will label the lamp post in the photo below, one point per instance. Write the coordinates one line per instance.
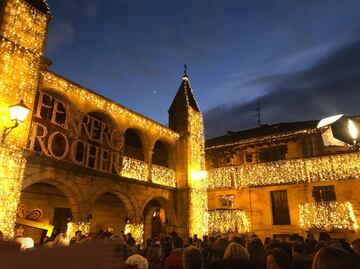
(18, 114)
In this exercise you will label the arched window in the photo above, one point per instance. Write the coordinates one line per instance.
(133, 145)
(160, 154)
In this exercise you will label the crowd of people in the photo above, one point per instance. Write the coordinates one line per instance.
(169, 251)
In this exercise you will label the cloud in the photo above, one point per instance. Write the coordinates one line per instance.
(61, 32)
(329, 86)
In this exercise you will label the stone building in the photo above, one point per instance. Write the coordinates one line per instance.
(83, 159)
(281, 179)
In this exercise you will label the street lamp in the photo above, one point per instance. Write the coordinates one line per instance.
(18, 114)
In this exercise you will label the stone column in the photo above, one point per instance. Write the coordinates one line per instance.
(148, 153)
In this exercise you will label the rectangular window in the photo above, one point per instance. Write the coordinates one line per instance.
(324, 193)
(280, 208)
(248, 157)
(227, 201)
(273, 154)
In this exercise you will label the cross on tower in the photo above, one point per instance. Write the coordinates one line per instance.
(185, 69)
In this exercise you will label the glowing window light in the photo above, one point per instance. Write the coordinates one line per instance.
(333, 167)
(225, 221)
(327, 216)
(136, 230)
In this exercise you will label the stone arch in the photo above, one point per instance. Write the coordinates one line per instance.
(150, 205)
(59, 94)
(128, 201)
(134, 144)
(69, 189)
(161, 153)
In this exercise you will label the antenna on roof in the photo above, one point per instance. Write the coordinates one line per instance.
(258, 114)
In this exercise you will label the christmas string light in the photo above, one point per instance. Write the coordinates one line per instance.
(163, 175)
(72, 227)
(136, 230)
(75, 92)
(198, 187)
(25, 25)
(132, 168)
(327, 216)
(225, 221)
(334, 167)
(12, 165)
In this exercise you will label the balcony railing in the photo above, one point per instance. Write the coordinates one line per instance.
(327, 216)
(132, 168)
(136, 169)
(228, 221)
(333, 167)
(163, 176)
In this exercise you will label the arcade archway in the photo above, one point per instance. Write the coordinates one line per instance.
(108, 214)
(43, 203)
(157, 217)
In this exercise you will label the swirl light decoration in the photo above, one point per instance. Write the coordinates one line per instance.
(163, 176)
(12, 164)
(136, 230)
(72, 227)
(334, 167)
(223, 221)
(327, 216)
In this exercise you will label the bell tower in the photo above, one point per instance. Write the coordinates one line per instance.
(23, 31)
(186, 119)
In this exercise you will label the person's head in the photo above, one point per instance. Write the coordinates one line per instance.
(310, 237)
(153, 254)
(277, 259)
(177, 242)
(60, 241)
(78, 234)
(138, 261)
(256, 250)
(297, 249)
(323, 236)
(220, 246)
(355, 245)
(333, 258)
(131, 241)
(236, 251)
(192, 258)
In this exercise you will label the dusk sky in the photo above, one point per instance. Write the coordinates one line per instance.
(299, 59)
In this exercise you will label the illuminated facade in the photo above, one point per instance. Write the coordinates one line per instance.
(285, 180)
(82, 161)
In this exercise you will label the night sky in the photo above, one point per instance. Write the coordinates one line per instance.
(299, 59)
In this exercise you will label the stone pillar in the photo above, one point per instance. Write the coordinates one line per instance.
(148, 153)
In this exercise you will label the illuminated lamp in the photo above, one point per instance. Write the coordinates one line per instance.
(18, 114)
(342, 131)
(199, 175)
